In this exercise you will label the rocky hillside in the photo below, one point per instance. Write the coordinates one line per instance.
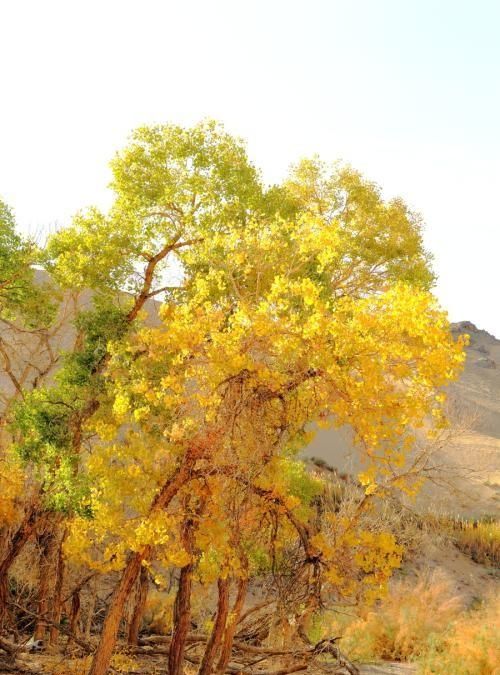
(471, 457)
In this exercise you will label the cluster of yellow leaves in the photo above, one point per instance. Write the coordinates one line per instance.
(250, 375)
(359, 563)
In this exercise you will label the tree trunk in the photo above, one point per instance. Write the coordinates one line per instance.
(91, 609)
(215, 640)
(48, 564)
(4, 598)
(74, 620)
(139, 607)
(227, 644)
(102, 656)
(57, 607)
(182, 606)
(23, 533)
(312, 603)
(182, 621)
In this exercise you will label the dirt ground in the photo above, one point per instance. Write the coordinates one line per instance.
(379, 669)
(40, 664)
(389, 669)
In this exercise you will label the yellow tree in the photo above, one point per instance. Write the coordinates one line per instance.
(289, 320)
(26, 317)
(173, 188)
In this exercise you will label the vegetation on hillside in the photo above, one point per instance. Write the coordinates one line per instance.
(424, 622)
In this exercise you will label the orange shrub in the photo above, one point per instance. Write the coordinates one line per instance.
(404, 623)
(470, 647)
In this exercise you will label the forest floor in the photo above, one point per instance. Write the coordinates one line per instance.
(389, 669)
(43, 664)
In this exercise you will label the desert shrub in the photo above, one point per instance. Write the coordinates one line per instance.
(471, 646)
(479, 539)
(403, 625)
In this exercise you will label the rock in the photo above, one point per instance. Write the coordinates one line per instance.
(465, 327)
(486, 363)
(482, 349)
(33, 646)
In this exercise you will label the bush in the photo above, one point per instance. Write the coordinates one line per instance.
(405, 623)
(470, 647)
(480, 540)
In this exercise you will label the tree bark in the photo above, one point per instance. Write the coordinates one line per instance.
(182, 606)
(74, 620)
(47, 573)
(90, 614)
(58, 600)
(227, 644)
(139, 607)
(206, 667)
(23, 533)
(182, 621)
(102, 656)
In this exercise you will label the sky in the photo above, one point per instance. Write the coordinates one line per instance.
(407, 91)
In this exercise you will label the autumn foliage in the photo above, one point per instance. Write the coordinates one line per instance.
(214, 325)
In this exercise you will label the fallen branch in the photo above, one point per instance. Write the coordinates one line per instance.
(16, 666)
(8, 647)
(255, 608)
(150, 646)
(167, 639)
(284, 671)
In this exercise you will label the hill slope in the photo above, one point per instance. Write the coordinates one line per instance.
(472, 457)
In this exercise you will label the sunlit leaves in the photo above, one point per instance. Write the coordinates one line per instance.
(301, 304)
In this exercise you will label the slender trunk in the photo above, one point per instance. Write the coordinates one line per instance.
(4, 598)
(57, 606)
(21, 536)
(74, 620)
(182, 606)
(215, 639)
(182, 621)
(90, 614)
(48, 564)
(227, 644)
(139, 607)
(312, 604)
(102, 656)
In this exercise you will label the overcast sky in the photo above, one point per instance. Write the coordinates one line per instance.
(407, 91)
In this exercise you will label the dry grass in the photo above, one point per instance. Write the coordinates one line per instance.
(403, 625)
(471, 646)
(480, 540)
(425, 623)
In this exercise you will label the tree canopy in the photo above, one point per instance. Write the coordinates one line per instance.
(170, 435)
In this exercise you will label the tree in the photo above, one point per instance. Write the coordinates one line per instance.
(196, 179)
(280, 325)
(169, 437)
(27, 310)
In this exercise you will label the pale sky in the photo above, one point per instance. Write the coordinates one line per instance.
(407, 91)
